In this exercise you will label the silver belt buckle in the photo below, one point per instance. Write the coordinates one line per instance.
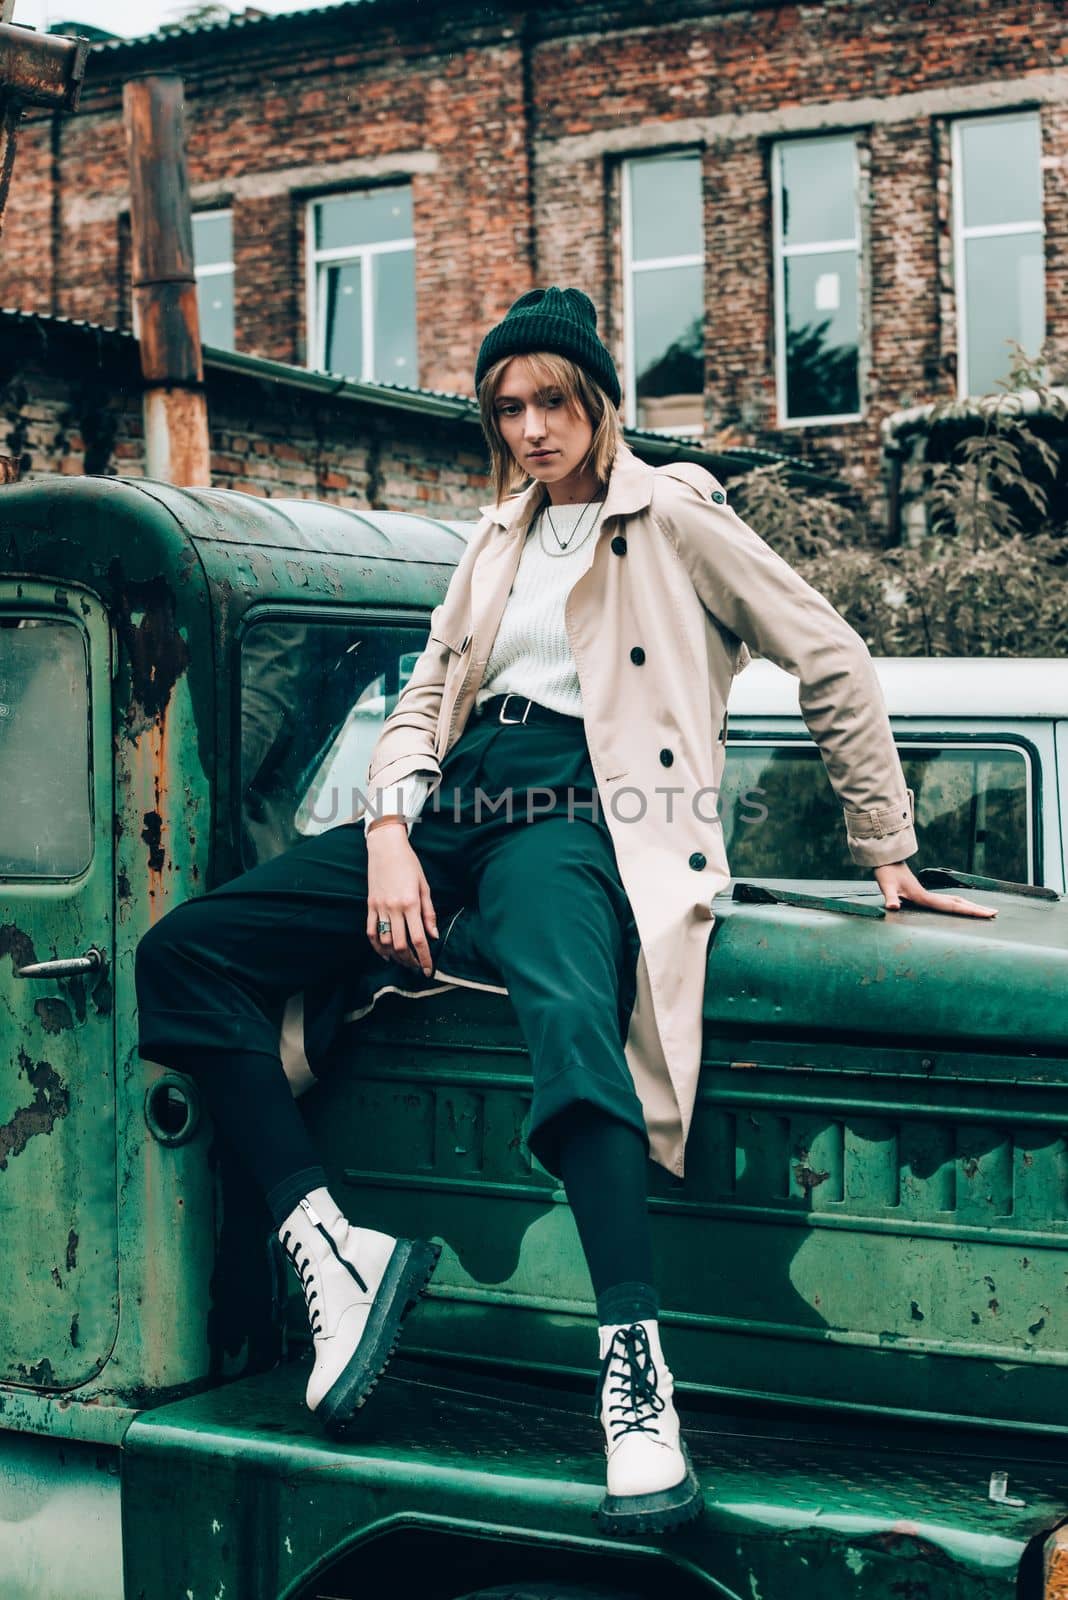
(512, 721)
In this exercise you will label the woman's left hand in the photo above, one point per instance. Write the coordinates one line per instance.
(898, 882)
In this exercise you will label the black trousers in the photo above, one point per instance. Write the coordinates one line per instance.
(512, 830)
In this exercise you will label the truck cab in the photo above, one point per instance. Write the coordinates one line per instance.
(864, 1274)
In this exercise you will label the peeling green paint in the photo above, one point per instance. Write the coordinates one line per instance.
(51, 1101)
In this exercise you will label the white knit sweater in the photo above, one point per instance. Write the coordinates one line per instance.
(531, 654)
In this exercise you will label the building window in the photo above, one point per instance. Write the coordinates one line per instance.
(361, 286)
(999, 245)
(213, 256)
(663, 278)
(817, 279)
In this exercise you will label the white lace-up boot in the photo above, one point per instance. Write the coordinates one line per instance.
(651, 1482)
(358, 1285)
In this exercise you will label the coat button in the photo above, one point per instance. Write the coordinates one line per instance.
(666, 758)
(637, 655)
(719, 497)
(698, 861)
(619, 545)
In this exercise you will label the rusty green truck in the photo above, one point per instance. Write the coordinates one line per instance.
(865, 1273)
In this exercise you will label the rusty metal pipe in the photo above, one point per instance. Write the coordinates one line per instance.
(41, 69)
(35, 70)
(164, 283)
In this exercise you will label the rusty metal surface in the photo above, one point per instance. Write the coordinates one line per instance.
(57, 1092)
(177, 447)
(1056, 1565)
(151, 661)
(162, 272)
(166, 317)
(176, 571)
(36, 70)
(41, 69)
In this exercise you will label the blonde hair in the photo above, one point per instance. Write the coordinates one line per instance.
(582, 395)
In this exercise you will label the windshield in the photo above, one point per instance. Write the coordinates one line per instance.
(781, 818)
(314, 696)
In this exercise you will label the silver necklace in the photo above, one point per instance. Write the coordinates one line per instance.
(564, 545)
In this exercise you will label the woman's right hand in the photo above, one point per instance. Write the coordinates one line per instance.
(398, 893)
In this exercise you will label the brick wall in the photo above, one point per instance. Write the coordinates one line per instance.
(511, 122)
(70, 402)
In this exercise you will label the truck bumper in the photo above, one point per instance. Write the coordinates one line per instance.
(236, 1492)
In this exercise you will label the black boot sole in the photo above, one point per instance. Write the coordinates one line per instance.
(625, 1515)
(406, 1277)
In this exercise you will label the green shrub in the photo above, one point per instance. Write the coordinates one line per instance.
(987, 574)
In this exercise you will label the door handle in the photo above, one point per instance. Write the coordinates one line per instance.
(94, 960)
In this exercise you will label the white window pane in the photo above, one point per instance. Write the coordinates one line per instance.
(343, 319)
(1005, 299)
(666, 208)
(1002, 174)
(669, 346)
(818, 190)
(215, 301)
(822, 335)
(369, 216)
(396, 359)
(213, 238)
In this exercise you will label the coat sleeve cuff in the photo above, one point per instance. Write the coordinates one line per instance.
(882, 835)
(405, 799)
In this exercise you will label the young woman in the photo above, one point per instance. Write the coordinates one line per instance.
(558, 749)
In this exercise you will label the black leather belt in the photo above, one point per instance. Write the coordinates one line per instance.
(515, 709)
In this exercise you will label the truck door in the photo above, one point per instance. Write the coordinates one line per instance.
(58, 1311)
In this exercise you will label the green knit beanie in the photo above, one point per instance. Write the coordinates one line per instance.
(563, 321)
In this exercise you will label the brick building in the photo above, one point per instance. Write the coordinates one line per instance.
(71, 396)
(794, 218)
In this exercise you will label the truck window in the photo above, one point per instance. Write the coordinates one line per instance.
(313, 698)
(46, 817)
(781, 818)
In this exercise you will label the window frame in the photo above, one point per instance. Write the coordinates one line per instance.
(652, 264)
(994, 230)
(218, 269)
(742, 732)
(344, 255)
(780, 252)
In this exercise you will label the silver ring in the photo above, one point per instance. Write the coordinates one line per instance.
(384, 927)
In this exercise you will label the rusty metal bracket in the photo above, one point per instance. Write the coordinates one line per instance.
(758, 894)
(950, 878)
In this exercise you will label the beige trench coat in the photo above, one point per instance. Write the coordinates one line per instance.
(674, 571)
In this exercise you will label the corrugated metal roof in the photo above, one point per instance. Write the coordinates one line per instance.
(233, 24)
(1009, 406)
(12, 315)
